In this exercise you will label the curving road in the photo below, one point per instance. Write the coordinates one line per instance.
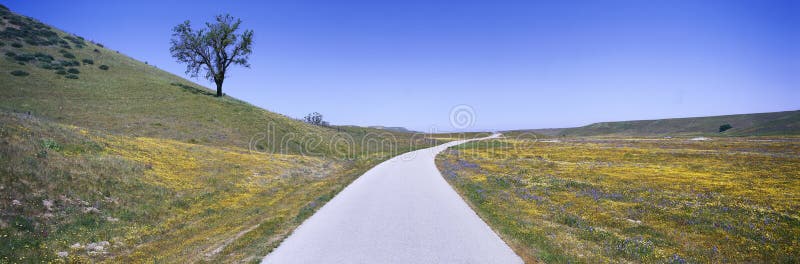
(400, 211)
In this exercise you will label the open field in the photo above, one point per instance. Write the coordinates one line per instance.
(630, 200)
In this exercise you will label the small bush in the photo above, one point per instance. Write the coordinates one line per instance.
(51, 144)
(43, 57)
(103, 67)
(73, 71)
(75, 40)
(20, 73)
(16, 45)
(71, 76)
(67, 55)
(11, 54)
(69, 63)
(46, 66)
(61, 72)
(724, 127)
(96, 51)
(24, 57)
(88, 61)
(2, 44)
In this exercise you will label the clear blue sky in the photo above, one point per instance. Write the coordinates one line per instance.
(518, 64)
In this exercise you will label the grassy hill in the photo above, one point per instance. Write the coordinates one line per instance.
(104, 158)
(761, 124)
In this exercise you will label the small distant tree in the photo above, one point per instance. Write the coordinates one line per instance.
(212, 49)
(315, 119)
(724, 127)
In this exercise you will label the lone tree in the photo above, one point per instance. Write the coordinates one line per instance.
(315, 119)
(212, 49)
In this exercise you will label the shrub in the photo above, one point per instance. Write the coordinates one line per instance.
(96, 51)
(724, 127)
(87, 61)
(73, 71)
(43, 57)
(16, 45)
(24, 57)
(71, 76)
(30, 31)
(103, 67)
(19, 73)
(69, 63)
(2, 44)
(61, 72)
(67, 55)
(46, 66)
(51, 144)
(11, 54)
(75, 40)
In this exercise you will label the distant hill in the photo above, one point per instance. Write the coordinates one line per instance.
(760, 124)
(395, 129)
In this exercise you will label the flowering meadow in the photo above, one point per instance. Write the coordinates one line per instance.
(594, 200)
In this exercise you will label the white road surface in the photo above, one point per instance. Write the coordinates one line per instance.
(400, 211)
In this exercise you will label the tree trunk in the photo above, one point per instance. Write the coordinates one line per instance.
(219, 88)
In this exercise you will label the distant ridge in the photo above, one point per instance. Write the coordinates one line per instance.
(395, 129)
(758, 124)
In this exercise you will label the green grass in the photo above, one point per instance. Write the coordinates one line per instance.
(151, 163)
(636, 200)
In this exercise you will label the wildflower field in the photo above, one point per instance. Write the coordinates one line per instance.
(71, 194)
(724, 200)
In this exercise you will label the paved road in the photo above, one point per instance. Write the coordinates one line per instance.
(400, 211)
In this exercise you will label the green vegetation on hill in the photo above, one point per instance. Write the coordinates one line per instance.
(107, 159)
(761, 124)
(133, 98)
(396, 129)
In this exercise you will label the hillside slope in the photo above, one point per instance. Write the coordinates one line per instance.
(760, 124)
(107, 159)
(130, 97)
